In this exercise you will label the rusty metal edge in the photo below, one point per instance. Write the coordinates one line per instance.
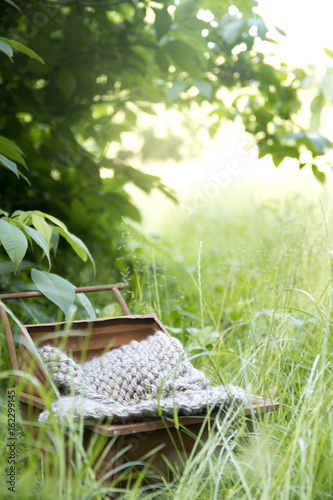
(10, 340)
(82, 289)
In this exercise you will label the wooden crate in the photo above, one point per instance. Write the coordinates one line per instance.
(166, 440)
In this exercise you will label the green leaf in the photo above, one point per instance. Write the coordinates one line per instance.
(147, 109)
(163, 21)
(85, 302)
(13, 241)
(246, 6)
(169, 192)
(66, 82)
(279, 30)
(14, 5)
(317, 143)
(308, 82)
(4, 47)
(42, 227)
(20, 47)
(185, 57)
(9, 164)
(40, 240)
(60, 291)
(176, 89)
(162, 60)
(24, 177)
(77, 244)
(232, 31)
(316, 109)
(329, 52)
(326, 86)
(261, 26)
(280, 152)
(9, 149)
(8, 267)
(55, 221)
(205, 87)
(21, 215)
(320, 176)
(54, 240)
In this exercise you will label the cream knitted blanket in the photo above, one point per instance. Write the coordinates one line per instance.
(134, 382)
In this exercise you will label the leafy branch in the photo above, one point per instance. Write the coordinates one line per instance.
(86, 4)
(24, 229)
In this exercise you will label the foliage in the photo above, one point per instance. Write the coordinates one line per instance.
(106, 66)
(108, 63)
(24, 229)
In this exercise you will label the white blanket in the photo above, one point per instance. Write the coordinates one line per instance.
(134, 382)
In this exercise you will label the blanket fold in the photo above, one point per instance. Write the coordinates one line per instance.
(134, 382)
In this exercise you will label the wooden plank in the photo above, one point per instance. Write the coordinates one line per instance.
(149, 425)
(258, 408)
(94, 337)
(132, 321)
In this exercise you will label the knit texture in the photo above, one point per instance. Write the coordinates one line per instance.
(133, 382)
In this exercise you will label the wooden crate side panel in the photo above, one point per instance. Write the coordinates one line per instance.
(85, 340)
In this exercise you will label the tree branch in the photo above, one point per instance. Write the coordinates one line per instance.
(85, 4)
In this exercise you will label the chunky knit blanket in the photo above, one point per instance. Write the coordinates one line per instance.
(134, 382)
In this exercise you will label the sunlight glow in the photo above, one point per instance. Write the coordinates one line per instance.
(308, 28)
(106, 173)
(233, 11)
(205, 15)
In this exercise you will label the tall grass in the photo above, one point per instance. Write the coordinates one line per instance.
(264, 277)
(247, 287)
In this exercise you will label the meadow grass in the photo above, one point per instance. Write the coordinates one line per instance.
(248, 281)
(246, 285)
